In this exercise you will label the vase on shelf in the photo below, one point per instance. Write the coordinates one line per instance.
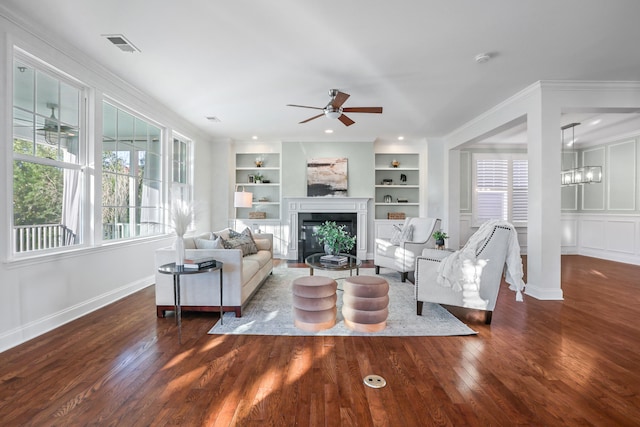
(179, 251)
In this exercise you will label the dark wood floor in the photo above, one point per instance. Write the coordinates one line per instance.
(543, 363)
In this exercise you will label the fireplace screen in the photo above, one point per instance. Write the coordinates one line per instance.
(308, 222)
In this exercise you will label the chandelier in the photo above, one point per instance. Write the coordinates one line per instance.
(578, 175)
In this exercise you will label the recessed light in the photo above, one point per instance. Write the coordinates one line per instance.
(254, 137)
(481, 58)
(328, 131)
(401, 138)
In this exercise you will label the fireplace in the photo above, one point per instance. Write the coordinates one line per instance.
(308, 221)
(333, 208)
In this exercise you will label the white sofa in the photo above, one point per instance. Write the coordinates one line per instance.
(242, 276)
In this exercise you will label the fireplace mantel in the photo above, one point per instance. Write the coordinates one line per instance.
(356, 205)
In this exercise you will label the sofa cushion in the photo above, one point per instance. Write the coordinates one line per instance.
(261, 257)
(249, 269)
(262, 244)
(209, 244)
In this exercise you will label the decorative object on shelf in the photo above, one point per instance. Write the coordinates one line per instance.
(387, 181)
(396, 215)
(257, 215)
(388, 198)
(402, 200)
(259, 161)
(395, 163)
(263, 199)
(403, 178)
(251, 178)
(266, 181)
(577, 175)
(327, 177)
(181, 218)
(334, 237)
(258, 178)
(439, 236)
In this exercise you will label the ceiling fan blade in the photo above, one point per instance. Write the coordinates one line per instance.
(363, 110)
(346, 120)
(304, 106)
(340, 99)
(311, 118)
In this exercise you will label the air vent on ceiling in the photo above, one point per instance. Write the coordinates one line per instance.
(121, 42)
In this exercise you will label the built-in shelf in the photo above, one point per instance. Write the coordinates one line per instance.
(401, 182)
(246, 173)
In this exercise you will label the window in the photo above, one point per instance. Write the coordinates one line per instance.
(48, 158)
(501, 188)
(131, 175)
(181, 183)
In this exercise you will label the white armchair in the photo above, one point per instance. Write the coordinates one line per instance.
(401, 256)
(476, 279)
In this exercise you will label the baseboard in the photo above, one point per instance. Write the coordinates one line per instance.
(543, 294)
(45, 324)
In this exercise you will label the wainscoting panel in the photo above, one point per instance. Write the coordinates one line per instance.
(569, 236)
(612, 237)
(592, 233)
(620, 236)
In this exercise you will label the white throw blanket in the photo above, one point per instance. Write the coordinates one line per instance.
(461, 267)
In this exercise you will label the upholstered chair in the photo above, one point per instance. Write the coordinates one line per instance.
(476, 282)
(400, 254)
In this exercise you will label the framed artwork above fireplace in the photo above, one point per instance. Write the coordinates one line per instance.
(327, 177)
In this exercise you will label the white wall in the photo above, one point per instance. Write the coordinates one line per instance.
(42, 293)
(360, 165)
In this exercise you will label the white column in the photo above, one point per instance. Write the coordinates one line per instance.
(543, 233)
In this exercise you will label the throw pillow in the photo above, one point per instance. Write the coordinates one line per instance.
(242, 241)
(395, 237)
(402, 234)
(222, 233)
(209, 244)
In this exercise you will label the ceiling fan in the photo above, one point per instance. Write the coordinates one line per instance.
(335, 110)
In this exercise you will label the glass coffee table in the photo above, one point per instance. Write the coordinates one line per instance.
(315, 263)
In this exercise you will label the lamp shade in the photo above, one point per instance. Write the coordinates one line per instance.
(242, 199)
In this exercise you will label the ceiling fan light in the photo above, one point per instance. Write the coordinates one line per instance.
(333, 114)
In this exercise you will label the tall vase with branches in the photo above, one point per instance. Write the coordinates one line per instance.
(181, 218)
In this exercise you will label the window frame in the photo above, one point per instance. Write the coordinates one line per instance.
(163, 177)
(509, 157)
(39, 67)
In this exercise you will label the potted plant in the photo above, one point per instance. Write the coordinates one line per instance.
(439, 236)
(334, 237)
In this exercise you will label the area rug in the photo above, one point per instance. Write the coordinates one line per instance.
(270, 312)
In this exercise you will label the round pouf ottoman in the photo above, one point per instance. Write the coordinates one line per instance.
(314, 303)
(365, 303)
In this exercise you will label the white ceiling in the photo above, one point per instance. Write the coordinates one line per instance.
(243, 61)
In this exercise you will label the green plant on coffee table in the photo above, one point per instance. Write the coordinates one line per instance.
(334, 237)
